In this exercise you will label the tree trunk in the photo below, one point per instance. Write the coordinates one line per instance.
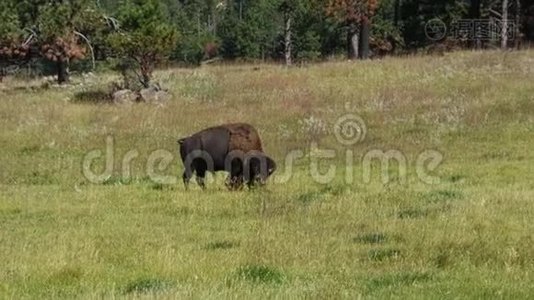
(352, 41)
(62, 72)
(517, 36)
(474, 14)
(364, 38)
(146, 67)
(287, 41)
(504, 23)
(145, 81)
(474, 9)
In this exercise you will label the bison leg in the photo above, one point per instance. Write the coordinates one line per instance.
(235, 168)
(236, 178)
(200, 178)
(201, 182)
(250, 184)
(234, 183)
(186, 180)
(229, 182)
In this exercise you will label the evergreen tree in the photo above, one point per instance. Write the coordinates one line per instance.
(415, 14)
(146, 36)
(52, 29)
(197, 22)
(60, 25)
(11, 33)
(250, 29)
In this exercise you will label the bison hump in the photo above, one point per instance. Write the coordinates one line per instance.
(243, 137)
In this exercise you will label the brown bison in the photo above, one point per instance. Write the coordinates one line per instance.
(234, 148)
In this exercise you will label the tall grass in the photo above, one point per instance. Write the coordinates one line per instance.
(469, 236)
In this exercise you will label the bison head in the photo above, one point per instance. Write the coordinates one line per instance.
(258, 167)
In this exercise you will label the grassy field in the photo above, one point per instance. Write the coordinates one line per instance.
(468, 235)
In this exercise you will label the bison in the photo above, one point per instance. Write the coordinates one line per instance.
(235, 148)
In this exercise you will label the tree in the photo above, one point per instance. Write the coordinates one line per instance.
(518, 15)
(146, 36)
(386, 34)
(504, 22)
(47, 28)
(11, 34)
(13, 47)
(528, 23)
(506, 15)
(60, 26)
(356, 16)
(250, 29)
(298, 27)
(416, 14)
(287, 8)
(474, 14)
(198, 22)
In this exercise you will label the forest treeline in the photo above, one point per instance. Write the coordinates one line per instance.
(139, 34)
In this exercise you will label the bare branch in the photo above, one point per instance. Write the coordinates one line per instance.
(496, 13)
(33, 35)
(113, 23)
(90, 46)
(28, 40)
(209, 61)
(31, 31)
(138, 75)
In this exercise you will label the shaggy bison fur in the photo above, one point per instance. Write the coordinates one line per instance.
(235, 148)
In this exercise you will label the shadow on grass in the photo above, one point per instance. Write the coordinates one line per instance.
(221, 245)
(147, 285)
(456, 178)
(67, 275)
(370, 238)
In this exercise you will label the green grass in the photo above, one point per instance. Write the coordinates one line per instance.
(470, 235)
(258, 274)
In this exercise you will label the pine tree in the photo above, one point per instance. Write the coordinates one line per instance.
(10, 36)
(146, 36)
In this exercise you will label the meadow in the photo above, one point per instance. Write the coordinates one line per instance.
(469, 234)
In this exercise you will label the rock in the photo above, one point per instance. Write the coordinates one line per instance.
(88, 75)
(154, 95)
(124, 97)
